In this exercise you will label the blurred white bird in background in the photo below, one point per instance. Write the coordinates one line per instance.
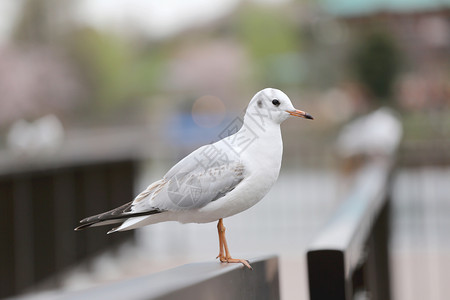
(378, 133)
(374, 135)
(41, 137)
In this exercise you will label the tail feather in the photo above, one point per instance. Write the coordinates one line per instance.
(128, 224)
(117, 215)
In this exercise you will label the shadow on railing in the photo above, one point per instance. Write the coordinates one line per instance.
(349, 258)
(208, 280)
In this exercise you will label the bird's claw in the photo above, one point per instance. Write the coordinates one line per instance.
(224, 259)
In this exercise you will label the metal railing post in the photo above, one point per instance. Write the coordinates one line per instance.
(349, 256)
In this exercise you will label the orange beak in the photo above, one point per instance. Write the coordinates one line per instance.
(300, 113)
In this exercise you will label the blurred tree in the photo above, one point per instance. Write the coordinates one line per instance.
(31, 26)
(376, 63)
(42, 21)
(36, 76)
(119, 75)
(102, 59)
(273, 42)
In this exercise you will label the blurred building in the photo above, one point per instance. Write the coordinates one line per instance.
(421, 30)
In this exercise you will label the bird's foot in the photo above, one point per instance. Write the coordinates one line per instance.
(225, 259)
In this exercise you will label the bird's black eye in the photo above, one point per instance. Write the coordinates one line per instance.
(275, 102)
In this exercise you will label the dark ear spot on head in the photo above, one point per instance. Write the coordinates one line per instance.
(259, 103)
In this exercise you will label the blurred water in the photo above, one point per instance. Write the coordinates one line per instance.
(420, 242)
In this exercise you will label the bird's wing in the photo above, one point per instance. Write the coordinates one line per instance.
(205, 175)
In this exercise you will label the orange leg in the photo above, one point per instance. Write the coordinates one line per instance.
(223, 247)
(220, 227)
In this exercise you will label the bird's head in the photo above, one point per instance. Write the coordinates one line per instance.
(274, 105)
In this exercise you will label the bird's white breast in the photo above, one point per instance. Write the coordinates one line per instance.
(262, 161)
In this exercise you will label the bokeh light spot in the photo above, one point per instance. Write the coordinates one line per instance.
(208, 111)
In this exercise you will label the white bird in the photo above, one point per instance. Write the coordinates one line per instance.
(376, 134)
(216, 180)
(41, 137)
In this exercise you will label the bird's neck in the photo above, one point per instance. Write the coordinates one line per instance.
(260, 136)
(260, 125)
(263, 145)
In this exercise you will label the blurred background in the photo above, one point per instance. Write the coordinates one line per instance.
(98, 98)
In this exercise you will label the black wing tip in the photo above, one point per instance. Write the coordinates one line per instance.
(108, 215)
(81, 227)
(84, 221)
(86, 226)
(105, 217)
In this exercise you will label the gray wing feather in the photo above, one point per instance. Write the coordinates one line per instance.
(207, 174)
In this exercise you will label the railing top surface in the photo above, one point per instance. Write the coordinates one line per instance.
(348, 229)
(207, 280)
(357, 209)
(81, 147)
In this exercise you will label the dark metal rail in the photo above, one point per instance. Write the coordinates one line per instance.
(41, 206)
(209, 280)
(349, 259)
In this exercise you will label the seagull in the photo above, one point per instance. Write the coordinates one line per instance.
(217, 180)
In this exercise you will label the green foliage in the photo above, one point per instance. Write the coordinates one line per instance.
(376, 63)
(32, 24)
(117, 73)
(104, 60)
(266, 32)
(272, 41)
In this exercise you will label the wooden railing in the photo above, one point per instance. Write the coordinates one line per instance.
(202, 281)
(349, 259)
(40, 208)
